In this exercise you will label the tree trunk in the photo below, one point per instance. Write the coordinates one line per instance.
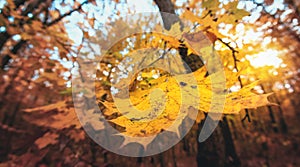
(231, 158)
(211, 152)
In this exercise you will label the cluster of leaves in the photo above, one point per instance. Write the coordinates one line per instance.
(145, 116)
(153, 116)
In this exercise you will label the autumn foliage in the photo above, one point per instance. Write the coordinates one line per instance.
(69, 70)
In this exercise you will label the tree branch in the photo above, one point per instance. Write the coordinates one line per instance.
(5, 35)
(235, 60)
(66, 14)
(15, 49)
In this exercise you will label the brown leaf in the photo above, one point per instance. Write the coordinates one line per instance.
(211, 36)
(76, 135)
(47, 139)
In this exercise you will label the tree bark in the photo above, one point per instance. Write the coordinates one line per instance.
(231, 158)
(168, 14)
(211, 152)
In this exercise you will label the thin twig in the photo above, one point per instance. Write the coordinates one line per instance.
(235, 60)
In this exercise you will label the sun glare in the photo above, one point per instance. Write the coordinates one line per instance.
(269, 57)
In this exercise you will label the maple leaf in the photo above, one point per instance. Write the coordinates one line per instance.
(167, 102)
(152, 110)
(141, 122)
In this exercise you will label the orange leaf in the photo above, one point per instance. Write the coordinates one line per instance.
(47, 139)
